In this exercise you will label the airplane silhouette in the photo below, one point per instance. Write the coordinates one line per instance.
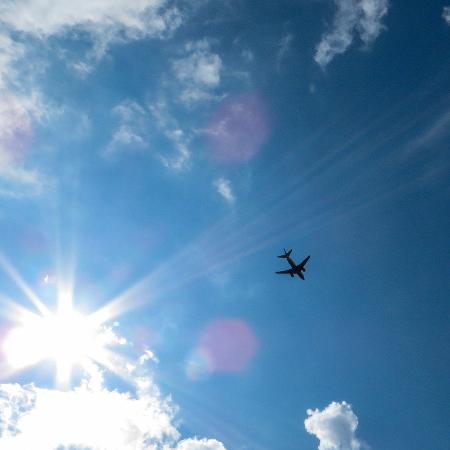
(295, 269)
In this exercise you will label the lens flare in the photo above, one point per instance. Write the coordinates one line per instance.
(238, 129)
(226, 345)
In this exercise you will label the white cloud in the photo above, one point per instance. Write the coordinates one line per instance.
(352, 16)
(284, 46)
(223, 187)
(335, 427)
(200, 444)
(446, 14)
(431, 139)
(44, 419)
(130, 133)
(129, 111)
(169, 126)
(82, 68)
(89, 416)
(198, 71)
(10, 52)
(180, 143)
(92, 417)
(133, 20)
(438, 130)
(103, 22)
(148, 355)
(124, 137)
(248, 55)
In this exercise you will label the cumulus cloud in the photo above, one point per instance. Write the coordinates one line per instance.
(93, 417)
(335, 427)
(363, 17)
(44, 419)
(223, 187)
(200, 444)
(198, 71)
(446, 14)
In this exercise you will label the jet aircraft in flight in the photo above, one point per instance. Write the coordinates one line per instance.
(295, 269)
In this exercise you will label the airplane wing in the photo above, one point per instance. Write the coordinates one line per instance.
(302, 264)
(285, 272)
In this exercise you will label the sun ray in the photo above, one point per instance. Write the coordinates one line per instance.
(15, 276)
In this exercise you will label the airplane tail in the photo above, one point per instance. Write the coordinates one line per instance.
(286, 254)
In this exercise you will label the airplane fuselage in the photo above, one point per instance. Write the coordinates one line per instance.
(293, 264)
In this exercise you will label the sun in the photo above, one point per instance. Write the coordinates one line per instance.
(66, 337)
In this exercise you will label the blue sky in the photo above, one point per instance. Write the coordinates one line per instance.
(156, 156)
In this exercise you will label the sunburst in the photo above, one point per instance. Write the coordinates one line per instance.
(65, 337)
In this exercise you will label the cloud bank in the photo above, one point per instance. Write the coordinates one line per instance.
(335, 427)
(360, 17)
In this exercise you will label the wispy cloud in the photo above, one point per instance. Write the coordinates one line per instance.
(223, 187)
(130, 134)
(335, 427)
(247, 55)
(430, 137)
(198, 71)
(438, 130)
(106, 21)
(169, 126)
(18, 115)
(136, 19)
(363, 17)
(100, 23)
(283, 48)
(10, 52)
(446, 14)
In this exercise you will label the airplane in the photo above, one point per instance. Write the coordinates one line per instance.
(295, 269)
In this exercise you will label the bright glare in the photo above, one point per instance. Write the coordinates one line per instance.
(67, 338)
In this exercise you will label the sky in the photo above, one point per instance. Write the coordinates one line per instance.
(155, 158)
